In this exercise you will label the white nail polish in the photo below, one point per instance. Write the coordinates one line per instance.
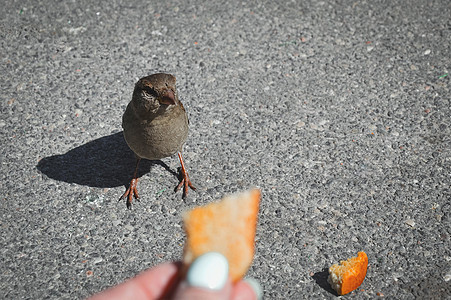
(208, 271)
(255, 285)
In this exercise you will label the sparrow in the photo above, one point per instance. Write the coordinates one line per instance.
(155, 126)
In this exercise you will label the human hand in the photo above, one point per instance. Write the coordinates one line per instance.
(207, 278)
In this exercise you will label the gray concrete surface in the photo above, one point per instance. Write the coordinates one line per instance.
(338, 110)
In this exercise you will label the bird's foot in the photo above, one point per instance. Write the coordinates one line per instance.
(185, 182)
(131, 192)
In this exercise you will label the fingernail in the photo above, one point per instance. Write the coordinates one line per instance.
(255, 285)
(208, 271)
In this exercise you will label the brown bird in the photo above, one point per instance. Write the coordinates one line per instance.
(155, 126)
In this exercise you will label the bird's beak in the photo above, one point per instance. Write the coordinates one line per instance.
(168, 98)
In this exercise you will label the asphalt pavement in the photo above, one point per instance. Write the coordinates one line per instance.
(340, 111)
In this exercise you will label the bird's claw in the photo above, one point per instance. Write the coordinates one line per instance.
(131, 192)
(185, 182)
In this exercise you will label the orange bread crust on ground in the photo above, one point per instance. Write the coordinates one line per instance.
(227, 227)
(349, 275)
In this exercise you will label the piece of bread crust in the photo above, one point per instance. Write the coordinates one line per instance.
(349, 275)
(227, 227)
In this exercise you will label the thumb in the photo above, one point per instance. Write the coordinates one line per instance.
(207, 278)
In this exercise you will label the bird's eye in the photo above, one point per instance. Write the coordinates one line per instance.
(150, 91)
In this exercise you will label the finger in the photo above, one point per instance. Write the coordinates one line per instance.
(248, 289)
(150, 284)
(187, 292)
(207, 278)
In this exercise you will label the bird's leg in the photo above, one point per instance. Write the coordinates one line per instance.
(132, 189)
(185, 178)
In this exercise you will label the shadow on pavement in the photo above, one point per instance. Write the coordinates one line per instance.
(105, 162)
(321, 280)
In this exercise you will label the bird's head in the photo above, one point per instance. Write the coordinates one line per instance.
(154, 93)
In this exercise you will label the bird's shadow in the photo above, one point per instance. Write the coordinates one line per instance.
(321, 280)
(105, 162)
